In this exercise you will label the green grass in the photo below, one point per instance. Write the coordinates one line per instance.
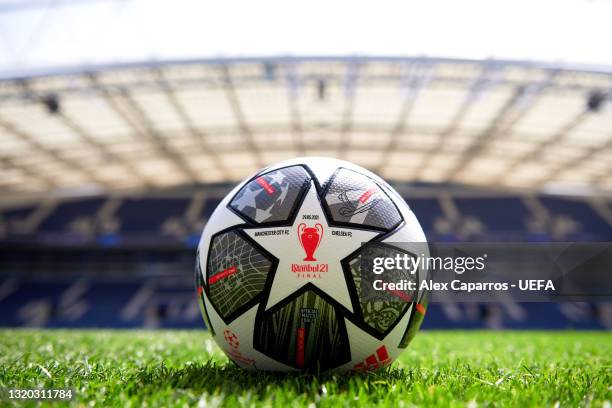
(180, 368)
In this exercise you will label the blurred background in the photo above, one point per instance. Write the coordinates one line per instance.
(124, 123)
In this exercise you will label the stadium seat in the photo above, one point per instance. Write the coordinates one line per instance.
(590, 225)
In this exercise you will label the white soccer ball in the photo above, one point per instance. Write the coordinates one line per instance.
(278, 269)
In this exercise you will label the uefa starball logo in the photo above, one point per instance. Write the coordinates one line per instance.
(310, 238)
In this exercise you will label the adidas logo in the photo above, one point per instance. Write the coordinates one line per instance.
(374, 361)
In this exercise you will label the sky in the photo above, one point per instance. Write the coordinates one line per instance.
(37, 34)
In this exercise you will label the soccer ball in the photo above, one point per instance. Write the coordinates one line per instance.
(279, 269)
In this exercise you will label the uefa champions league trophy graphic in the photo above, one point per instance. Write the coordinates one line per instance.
(310, 238)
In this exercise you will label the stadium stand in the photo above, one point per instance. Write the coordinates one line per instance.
(141, 216)
(12, 219)
(136, 304)
(64, 275)
(428, 211)
(67, 213)
(487, 210)
(209, 207)
(471, 218)
(587, 224)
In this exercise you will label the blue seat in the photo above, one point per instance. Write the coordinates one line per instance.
(209, 206)
(66, 212)
(16, 214)
(593, 226)
(147, 215)
(504, 218)
(426, 211)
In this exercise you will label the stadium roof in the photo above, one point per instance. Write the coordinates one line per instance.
(499, 124)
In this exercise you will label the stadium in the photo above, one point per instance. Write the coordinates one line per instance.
(111, 169)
